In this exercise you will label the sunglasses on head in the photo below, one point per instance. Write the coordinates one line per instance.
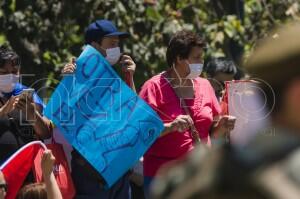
(3, 186)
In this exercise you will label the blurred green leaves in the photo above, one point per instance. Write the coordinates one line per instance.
(46, 33)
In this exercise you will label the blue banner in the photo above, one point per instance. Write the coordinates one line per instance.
(102, 117)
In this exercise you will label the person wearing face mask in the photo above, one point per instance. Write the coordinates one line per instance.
(219, 70)
(21, 120)
(185, 102)
(104, 37)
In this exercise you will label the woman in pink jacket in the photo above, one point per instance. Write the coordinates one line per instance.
(178, 87)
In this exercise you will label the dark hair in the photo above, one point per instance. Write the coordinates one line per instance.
(181, 45)
(33, 191)
(217, 65)
(8, 55)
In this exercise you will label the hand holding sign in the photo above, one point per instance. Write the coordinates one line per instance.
(102, 117)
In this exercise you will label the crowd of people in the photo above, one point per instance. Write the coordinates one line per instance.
(182, 162)
(46, 190)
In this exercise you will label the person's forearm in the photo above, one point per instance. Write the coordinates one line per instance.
(132, 85)
(41, 125)
(2, 112)
(52, 188)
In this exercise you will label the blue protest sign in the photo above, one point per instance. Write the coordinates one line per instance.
(102, 117)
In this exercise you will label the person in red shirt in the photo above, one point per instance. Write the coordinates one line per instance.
(184, 56)
(218, 71)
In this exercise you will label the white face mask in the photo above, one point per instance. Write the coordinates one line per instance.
(8, 82)
(195, 70)
(113, 55)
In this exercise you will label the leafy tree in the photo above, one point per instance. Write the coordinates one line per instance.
(46, 33)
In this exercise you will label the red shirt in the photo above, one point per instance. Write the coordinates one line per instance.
(159, 94)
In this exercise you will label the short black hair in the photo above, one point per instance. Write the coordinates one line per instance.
(8, 55)
(181, 45)
(221, 64)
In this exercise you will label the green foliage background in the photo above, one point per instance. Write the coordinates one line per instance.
(46, 33)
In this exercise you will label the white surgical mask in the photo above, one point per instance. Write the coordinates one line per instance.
(113, 55)
(195, 70)
(8, 82)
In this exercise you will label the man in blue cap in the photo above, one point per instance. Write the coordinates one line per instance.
(103, 36)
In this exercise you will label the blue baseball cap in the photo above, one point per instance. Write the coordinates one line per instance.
(102, 28)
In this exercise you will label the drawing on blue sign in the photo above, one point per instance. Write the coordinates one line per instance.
(102, 117)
